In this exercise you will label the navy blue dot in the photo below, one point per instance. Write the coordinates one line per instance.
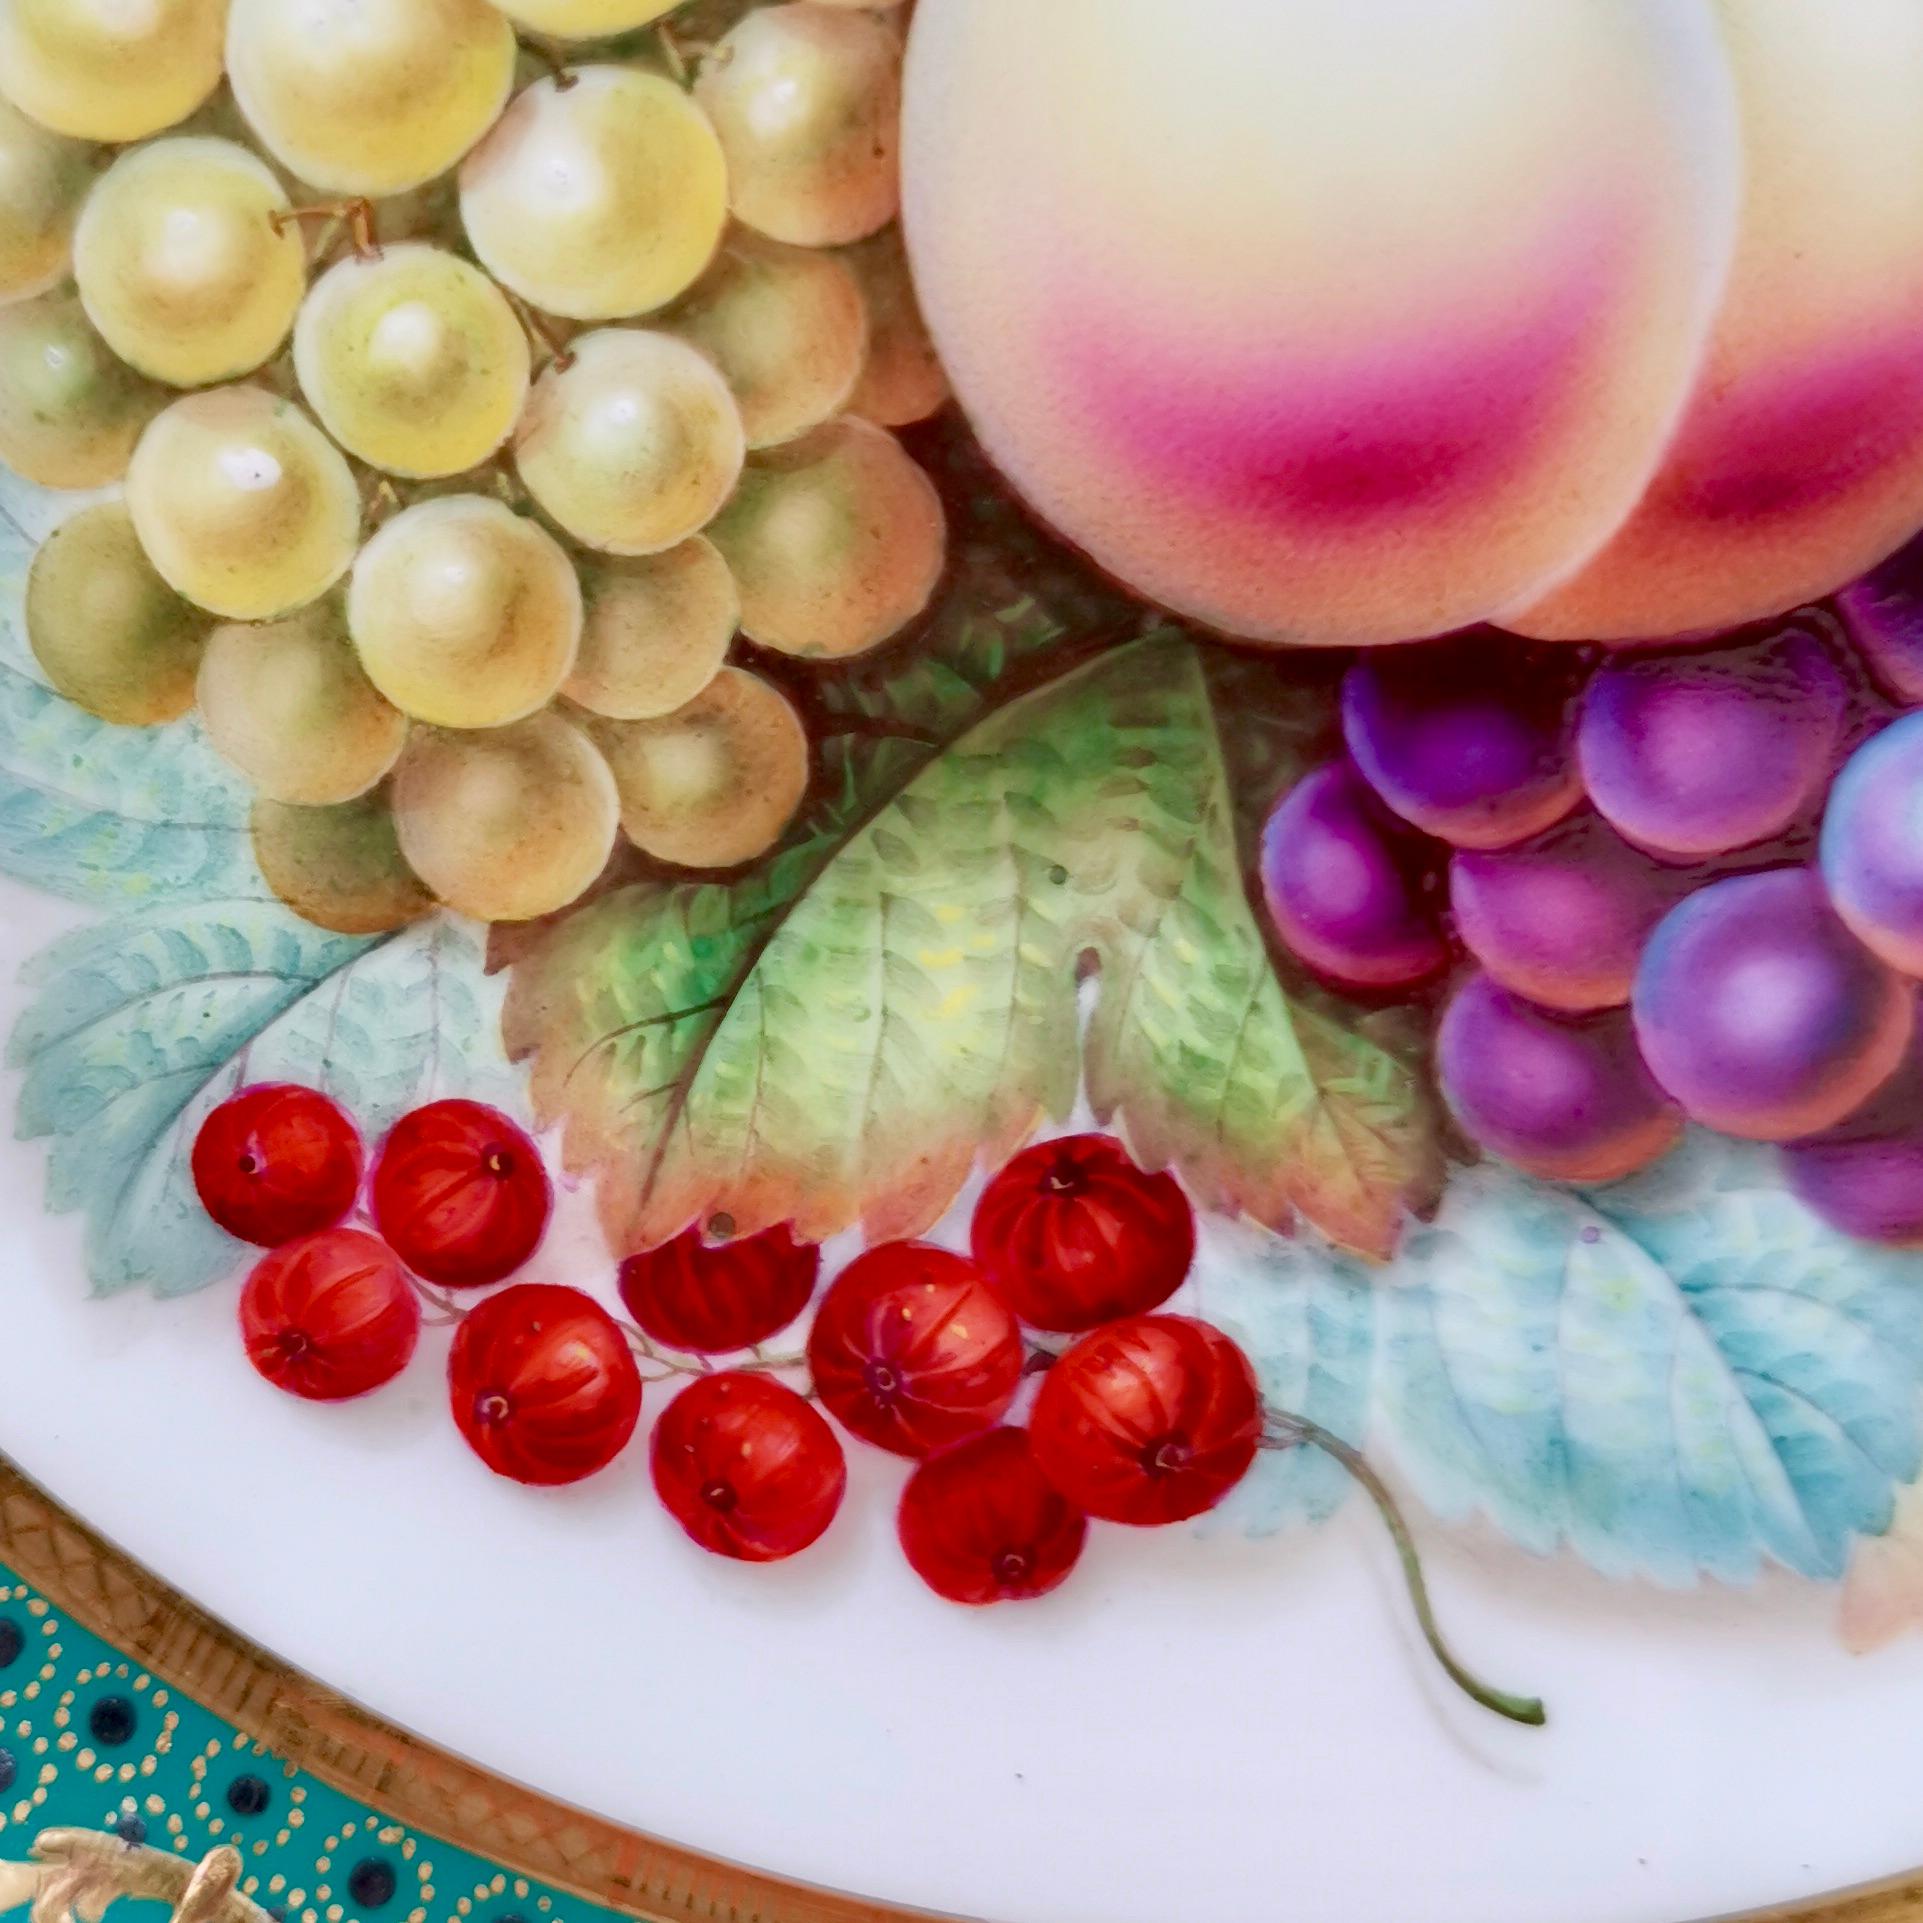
(13, 1639)
(248, 1796)
(372, 1883)
(8, 1770)
(112, 1721)
(130, 1829)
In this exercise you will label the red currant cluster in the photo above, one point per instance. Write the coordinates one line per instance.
(1144, 1418)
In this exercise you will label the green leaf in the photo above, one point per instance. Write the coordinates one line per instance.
(839, 1037)
(1686, 1372)
(100, 813)
(139, 1026)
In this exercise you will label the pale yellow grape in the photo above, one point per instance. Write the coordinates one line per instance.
(465, 614)
(716, 782)
(243, 504)
(413, 360)
(584, 19)
(508, 824)
(44, 176)
(287, 704)
(807, 101)
(788, 329)
(656, 630)
(836, 541)
(633, 444)
(339, 867)
(904, 380)
(108, 632)
(369, 96)
(70, 412)
(185, 264)
(599, 200)
(113, 70)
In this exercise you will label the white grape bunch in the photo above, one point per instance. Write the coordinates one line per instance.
(464, 407)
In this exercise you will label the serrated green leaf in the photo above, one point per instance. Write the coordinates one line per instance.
(1682, 1373)
(840, 1037)
(141, 1025)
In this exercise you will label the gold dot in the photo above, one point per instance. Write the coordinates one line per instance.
(142, 1681)
(85, 1759)
(154, 1805)
(277, 1882)
(520, 1886)
(146, 1766)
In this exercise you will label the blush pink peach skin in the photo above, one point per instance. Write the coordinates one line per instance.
(1353, 321)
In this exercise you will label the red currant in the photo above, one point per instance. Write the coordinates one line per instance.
(712, 1298)
(1150, 1420)
(980, 1523)
(330, 1316)
(460, 1192)
(1072, 1234)
(543, 1386)
(911, 1349)
(277, 1161)
(747, 1468)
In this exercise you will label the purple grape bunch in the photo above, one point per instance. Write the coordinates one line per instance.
(1643, 888)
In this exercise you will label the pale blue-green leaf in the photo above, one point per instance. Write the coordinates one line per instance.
(1679, 1375)
(121, 816)
(1305, 1316)
(140, 1026)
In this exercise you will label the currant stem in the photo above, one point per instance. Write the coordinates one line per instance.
(1288, 1431)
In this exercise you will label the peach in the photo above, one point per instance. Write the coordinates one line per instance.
(1326, 320)
(1800, 461)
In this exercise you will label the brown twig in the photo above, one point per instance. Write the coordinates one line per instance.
(357, 216)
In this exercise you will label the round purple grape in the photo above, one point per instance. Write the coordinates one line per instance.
(1562, 919)
(1884, 615)
(1700, 752)
(1872, 846)
(1560, 1096)
(1865, 1176)
(1761, 1014)
(1351, 892)
(1470, 739)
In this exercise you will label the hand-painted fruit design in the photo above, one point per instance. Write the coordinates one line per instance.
(717, 1298)
(1071, 1234)
(471, 355)
(747, 1467)
(914, 1350)
(461, 1193)
(1629, 351)
(542, 1384)
(1150, 1420)
(330, 1316)
(980, 1523)
(911, 1349)
(275, 1162)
